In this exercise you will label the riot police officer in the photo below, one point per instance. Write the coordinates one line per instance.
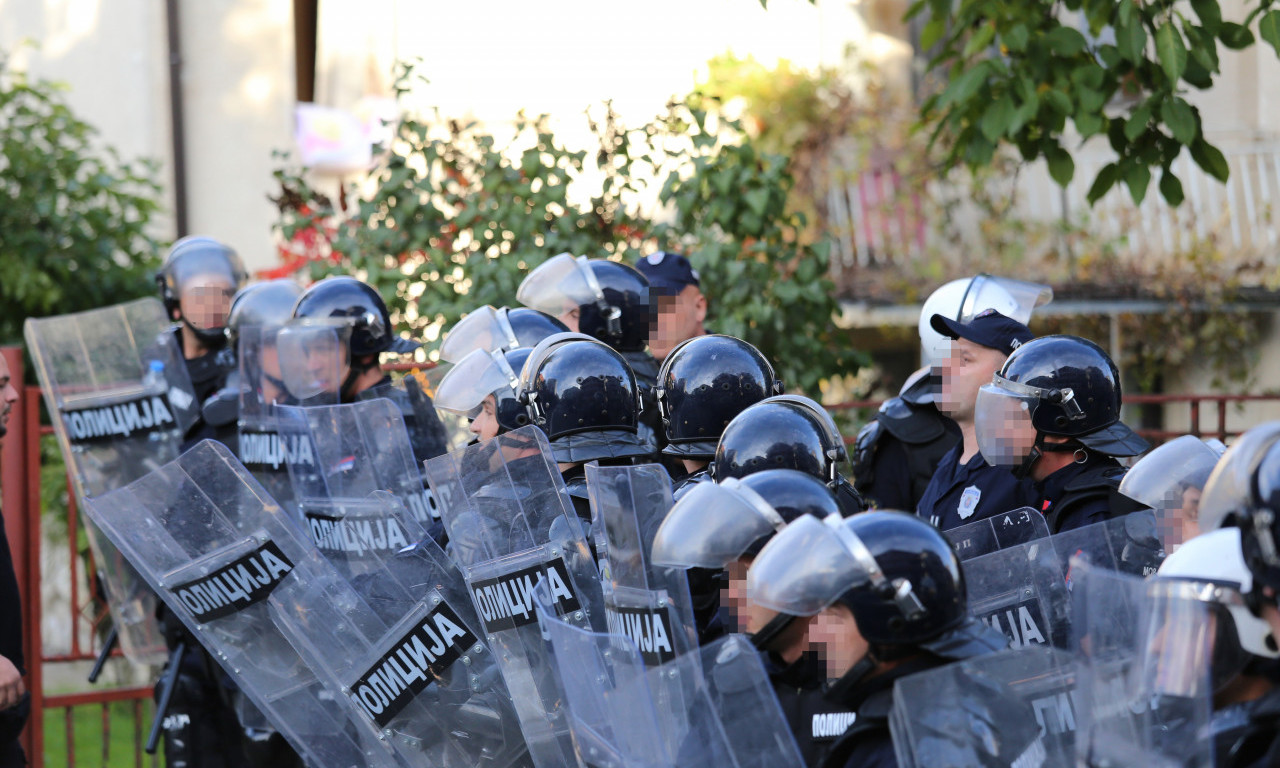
(723, 526)
(889, 600)
(348, 302)
(197, 281)
(584, 396)
(703, 384)
(786, 432)
(965, 487)
(482, 386)
(896, 455)
(498, 330)
(1052, 414)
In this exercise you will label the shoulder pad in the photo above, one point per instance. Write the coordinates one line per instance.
(919, 424)
(867, 436)
(1101, 478)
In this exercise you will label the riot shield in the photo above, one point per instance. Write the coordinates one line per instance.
(1020, 592)
(985, 536)
(431, 432)
(1129, 544)
(510, 523)
(120, 400)
(359, 448)
(1012, 708)
(284, 366)
(218, 550)
(1145, 650)
(622, 712)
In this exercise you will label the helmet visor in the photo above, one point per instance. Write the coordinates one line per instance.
(312, 358)
(560, 284)
(474, 378)
(485, 328)
(1002, 423)
(1162, 478)
(1012, 298)
(540, 352)
(1182, 628)
(713, 525)
(808, 566)
(1229, 489)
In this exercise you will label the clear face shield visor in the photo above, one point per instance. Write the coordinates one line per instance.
(713, 525)
(478, 375)
(561, 284)
(313, 357)
(1187, 653)
(485, 328)
(1014, 299)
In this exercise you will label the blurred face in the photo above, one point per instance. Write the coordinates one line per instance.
(272, 383)
(835, 636)
(734, 596)
(965, 369)
(205, 300)
(8, 396)
(485, 424)
(1190, 513)
(570, 317)
(1003, 427)
(679, 317)
(327, 365)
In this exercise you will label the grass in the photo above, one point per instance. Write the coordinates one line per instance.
(102, 735)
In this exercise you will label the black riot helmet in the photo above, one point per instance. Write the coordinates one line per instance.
(1056, 385)
(498, 330)
(896, 573)
(703, 384)
(791, 494)
(584, 396)
(1244, 492)
(199, 259)
(611, 299)
(353, 302)
(265, 304)
(780, 432)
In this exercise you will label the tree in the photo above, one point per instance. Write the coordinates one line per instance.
(74, 217)
(455, 219)
(1017, 72)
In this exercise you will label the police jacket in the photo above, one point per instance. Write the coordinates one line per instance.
(1081, 494)
(815, 720)
(896, 455)
(1248, 735)
(867, 742)
(966, 493)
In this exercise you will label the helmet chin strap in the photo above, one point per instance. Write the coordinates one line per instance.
(344, 392)
(840, 689)
(1039, 449)
(212, 338)
(771, 631)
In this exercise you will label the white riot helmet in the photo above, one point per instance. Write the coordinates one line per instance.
(963, 299)
(1211, 569)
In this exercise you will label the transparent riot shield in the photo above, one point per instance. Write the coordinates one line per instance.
(1129, 544)
(1013, 708)
(120, 400)
(430, 434)
(217, 549)
(622, 713)
(510, 523)
(359, 448)
(985, 536)
(1020, 592)
(1145, 650)
(284, 366)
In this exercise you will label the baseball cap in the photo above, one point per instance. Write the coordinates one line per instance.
(988, 328)
(667, 272)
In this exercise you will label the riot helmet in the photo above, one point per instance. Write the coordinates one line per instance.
(266, 304)
(357, 304)
(498, 330)
(483, 373)
(1170, 480)
(781, 432)
(584, 396)
(197, 280)
(1244, 492)
(703, 384)
(962, 300)
(1210, 570)
(1063, 386)
(897, 575)
(609, 300)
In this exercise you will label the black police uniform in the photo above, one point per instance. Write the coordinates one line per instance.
(965, 493)
(208, 373)
(815, 720)
(896, 455)
(867, 742)
(1080, 494)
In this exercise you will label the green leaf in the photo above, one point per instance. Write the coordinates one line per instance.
(1103, 183)
(980, 40)
(932, 32)
(1058, 101)
(1177, 115)
(1124, 14)
(1172, 52)
(1210, 159)
(1235, 36)
(1088, 124)
(1061, 166)
(1269, 28)
(1171, 188)
(964, 86)
(1136, 125)
(1131, 40)
(757, 200)
(997, 118)
(1210, 15)
(1065, 41)
(1015, 39)
(1138, 178)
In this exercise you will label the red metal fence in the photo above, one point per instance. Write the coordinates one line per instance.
(20, 480)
